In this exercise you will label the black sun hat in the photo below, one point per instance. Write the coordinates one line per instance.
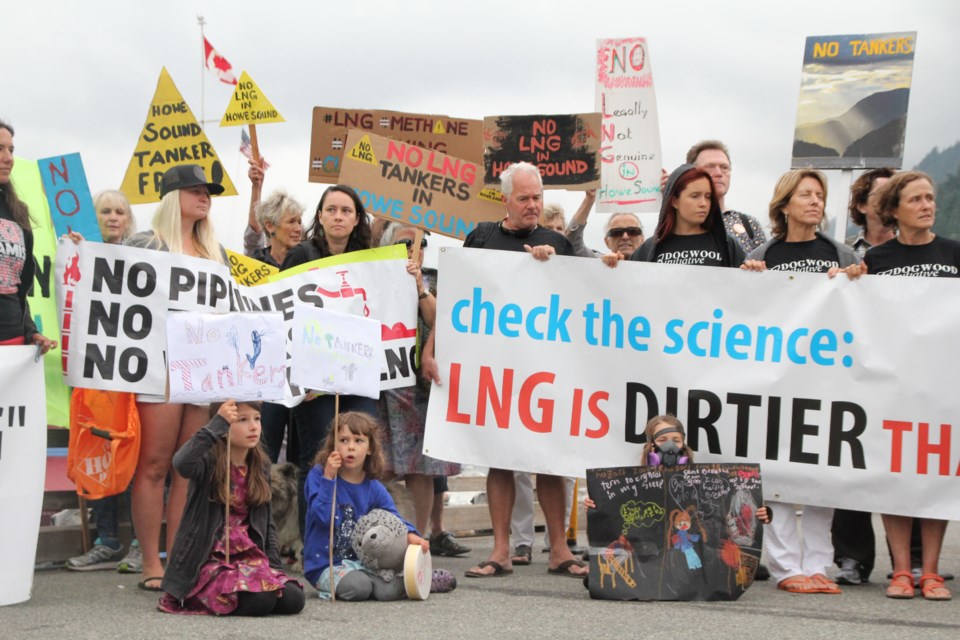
(187, 175)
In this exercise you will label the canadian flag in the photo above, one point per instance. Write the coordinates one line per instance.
(217, 64)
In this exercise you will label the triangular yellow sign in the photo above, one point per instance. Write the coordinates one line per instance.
(363, 151)
(170, 137)
(248, 105)
(438, 127)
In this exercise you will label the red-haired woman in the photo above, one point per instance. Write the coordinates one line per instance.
(690, 229)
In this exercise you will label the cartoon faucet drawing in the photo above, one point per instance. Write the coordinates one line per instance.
(346, 291)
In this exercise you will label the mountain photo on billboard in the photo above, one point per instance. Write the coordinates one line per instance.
(876, 123)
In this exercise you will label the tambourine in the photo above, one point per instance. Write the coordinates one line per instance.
(417, 572)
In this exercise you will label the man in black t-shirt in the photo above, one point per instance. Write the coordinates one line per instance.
(519, 231)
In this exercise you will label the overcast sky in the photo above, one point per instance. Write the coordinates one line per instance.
(79, 76)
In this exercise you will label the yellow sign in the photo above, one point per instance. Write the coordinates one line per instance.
(363, 151)
(248, 105)
(170, 137)
(248, 271)
(438, 127)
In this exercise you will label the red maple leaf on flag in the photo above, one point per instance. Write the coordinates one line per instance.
(217, 64)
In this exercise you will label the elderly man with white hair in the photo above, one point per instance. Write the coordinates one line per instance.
(519, 231)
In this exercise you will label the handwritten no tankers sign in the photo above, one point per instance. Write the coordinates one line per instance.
(674, 533)
(457, 137)
(405, 183)
(565, 148)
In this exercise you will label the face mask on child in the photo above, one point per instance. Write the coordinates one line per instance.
(669, 455)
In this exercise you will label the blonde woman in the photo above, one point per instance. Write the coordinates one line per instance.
(181, 225)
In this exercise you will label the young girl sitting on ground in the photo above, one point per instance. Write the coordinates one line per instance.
(199, 579)
(352, 463)
(666, 445)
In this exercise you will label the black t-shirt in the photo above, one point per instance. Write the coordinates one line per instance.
(937, 259)
(810, 256)
(700, 249)
(492, 235)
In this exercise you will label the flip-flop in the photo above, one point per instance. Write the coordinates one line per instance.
(498, 570)
(931, 586)
(143, 583)
(563, 569)
(901, 586)
(798, 584)
(825, 584)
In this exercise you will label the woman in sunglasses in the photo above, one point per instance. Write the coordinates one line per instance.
(339, 226)
(623, 233)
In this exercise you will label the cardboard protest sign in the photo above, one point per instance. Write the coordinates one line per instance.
(212, 357)
(336, 352)
(457, 137)
(565, 148)
(68, 196)
(248, 271)
(23, 449)
(674, 533)
(248, 105)
(170, 137)
(854, 92)
(630, 151)
(569, 359)
(116, 299)
(43, 305)
(412, 185)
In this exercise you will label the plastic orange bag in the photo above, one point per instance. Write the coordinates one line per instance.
(104, 441)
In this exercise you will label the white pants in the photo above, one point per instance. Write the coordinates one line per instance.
(787, 555)
(521, 519)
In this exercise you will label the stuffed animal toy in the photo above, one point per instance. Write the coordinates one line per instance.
(380, 542)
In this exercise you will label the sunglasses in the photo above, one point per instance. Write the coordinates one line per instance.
(616, 232)
(409, 243)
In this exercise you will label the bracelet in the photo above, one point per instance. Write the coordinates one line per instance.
(423, 295)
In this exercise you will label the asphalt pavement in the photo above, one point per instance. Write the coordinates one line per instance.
(529, 604)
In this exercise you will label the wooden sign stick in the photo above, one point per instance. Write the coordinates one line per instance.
(333, 502)
(417, 241)
(226, 508)
(254, 146)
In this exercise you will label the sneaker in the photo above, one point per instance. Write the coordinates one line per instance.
(133, 561)
(445, 544)
(850, 572)
(442, 581)
(98, 558)
(763, 573)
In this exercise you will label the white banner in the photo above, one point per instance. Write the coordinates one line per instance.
(842, 391)
(229, 355)
(630, 140)
(115, 299)
(336, 352)
(23, 450)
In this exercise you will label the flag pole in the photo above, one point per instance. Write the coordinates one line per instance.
(203, 65)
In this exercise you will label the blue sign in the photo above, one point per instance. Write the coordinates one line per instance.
(68, 196)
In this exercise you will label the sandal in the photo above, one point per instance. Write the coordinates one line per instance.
(825, 584)
(901, 587)
(931, 586)
(522, 555)
(798, 584)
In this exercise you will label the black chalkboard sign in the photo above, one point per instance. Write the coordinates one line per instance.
(565, 148)
(674, 533)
